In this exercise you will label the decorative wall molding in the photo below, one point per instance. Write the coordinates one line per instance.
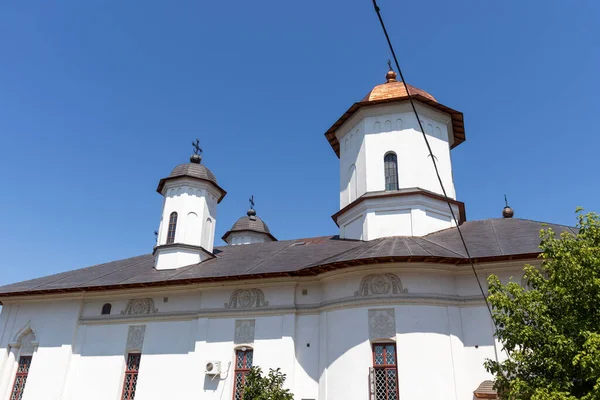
(135, 337)
(25, 339)
(380, 285)
(247, 298)
(26, 329)
(140, 306)
(382, 323)
(300, 309)
(244, 331)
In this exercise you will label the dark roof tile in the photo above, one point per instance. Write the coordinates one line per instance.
(485, 239)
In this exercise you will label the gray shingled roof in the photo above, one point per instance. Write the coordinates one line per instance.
(194, 170)
(492, 239)
(247, 223)
(191, 170)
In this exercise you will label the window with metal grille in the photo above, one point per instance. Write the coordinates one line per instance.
(385, 372)
(390, 162)
(131, 376)
(21, 378)
(172, 227)
(243, 363)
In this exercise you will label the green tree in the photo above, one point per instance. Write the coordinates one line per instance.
(551, 328)
(270, 387)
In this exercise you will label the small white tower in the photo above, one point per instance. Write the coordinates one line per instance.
(187, 227)
(388, 186)
(249, 229)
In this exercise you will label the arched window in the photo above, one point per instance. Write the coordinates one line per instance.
(243, 363)
(384, 376)
(391, 171)
(131, 375)
(172, 227)
(106, 309)
(26, 345)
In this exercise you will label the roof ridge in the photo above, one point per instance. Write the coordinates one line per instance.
(324, 260)
(495, 236)
(268, 257)
(415, 242)
(443, 247)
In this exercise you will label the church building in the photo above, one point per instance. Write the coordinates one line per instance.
(387, 309)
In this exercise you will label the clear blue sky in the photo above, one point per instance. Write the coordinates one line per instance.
(100, 99)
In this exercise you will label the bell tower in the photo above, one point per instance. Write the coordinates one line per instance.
(187, 227)
(388, 185)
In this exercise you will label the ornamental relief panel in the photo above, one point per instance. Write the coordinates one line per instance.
(140, 307)
(380, 285)
(382, 323)
(244, 331)
(247, 298)
(135, 337)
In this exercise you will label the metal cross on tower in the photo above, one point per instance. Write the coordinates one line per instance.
(197, 148)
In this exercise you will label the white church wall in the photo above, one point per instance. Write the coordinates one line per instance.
(54, 326)
(195, 204)
(348, 354)
(166, 368)
(365, 139)
(320, 339)
(352, 161)
(99, 369)
(246, 237)
(308, 292)
(424, 353)
(478, 344)
(408, 215)
(399, 132)
(306, 369)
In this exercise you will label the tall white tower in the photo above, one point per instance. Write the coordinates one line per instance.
(187, 227)
(388, 185)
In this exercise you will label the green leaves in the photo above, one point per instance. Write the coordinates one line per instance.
(551, 328)
(270, 387)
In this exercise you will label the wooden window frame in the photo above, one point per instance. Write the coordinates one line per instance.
(385, 367)
(17, 391)
(243, 370)
(172, 227)
(128, 393)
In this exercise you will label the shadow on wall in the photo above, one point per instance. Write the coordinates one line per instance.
(422, 334)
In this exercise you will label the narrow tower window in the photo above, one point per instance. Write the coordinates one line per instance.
(385, 371)
(172, 227)
(131, 376)
(391, 171)
(106, 309)
(21, 378)
(243, 363)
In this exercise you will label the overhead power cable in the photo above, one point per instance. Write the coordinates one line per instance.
(437, 172)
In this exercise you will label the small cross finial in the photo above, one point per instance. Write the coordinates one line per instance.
(391, 75)
(251, 200)
(505, 201)
(197, 148)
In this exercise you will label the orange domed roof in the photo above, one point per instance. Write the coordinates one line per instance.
(394, 90)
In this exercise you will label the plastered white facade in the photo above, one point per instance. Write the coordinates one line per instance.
(317, 330)
(247, 237)
(195, 203)
(365, 139)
